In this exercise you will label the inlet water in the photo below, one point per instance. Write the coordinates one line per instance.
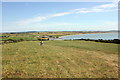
(104, 36)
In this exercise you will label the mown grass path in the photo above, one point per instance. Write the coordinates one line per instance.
(60, 59)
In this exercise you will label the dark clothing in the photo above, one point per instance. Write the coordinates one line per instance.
(41, 43)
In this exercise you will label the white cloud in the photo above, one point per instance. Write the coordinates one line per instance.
(31, 20)
(101, 8)
(97, 10)
(85, 11)
(90, 10)
(56, 24)
(113, 5)
(110, 25)
(41, 18)
(61, 14)
(80, 9)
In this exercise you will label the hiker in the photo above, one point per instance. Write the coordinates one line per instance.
(41, 43)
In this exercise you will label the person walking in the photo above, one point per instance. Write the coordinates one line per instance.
(41, 43)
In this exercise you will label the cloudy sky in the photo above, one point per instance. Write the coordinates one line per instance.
(59, 16)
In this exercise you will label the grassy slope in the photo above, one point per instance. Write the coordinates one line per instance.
(60, 59)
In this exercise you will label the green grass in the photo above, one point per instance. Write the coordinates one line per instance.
(19, 38)
(60, 59)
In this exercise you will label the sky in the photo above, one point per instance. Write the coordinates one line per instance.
(59, 16)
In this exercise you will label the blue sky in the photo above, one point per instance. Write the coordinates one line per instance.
(59, 16)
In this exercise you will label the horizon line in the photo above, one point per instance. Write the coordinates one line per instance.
(60, 31)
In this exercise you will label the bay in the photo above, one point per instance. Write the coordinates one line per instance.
(104, 36)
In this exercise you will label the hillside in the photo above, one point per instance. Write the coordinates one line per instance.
(60, 59)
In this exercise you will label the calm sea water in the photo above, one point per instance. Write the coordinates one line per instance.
(104, 36)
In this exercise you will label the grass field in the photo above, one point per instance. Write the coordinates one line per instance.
(60, 59)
